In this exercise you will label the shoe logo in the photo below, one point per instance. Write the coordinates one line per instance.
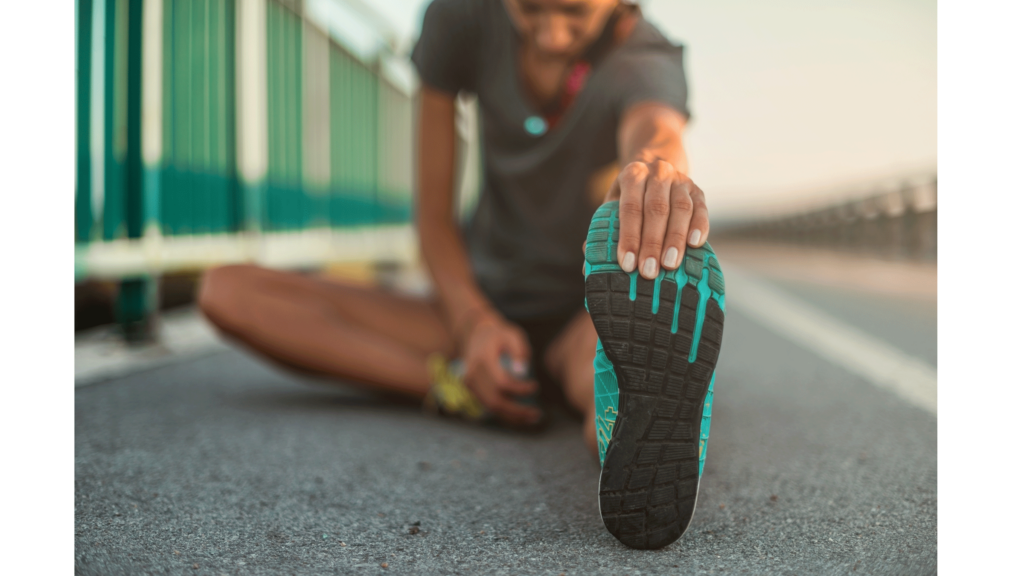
(605, 423)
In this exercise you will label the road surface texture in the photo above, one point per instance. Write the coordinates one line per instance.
(224, 465)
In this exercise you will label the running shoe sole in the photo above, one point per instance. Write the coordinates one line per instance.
(654, 383)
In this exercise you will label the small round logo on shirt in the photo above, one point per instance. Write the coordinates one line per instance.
(535, 125)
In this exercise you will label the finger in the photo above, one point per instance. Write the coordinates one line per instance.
(678, 224)
(656, 213)
(632, 181)
(517, 346)
(517, 387)
(495, 372)
(700, 226)
(513, 412)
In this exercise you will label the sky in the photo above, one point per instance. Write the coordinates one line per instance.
(792, 98)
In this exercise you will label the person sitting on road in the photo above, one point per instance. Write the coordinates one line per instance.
(582, 102)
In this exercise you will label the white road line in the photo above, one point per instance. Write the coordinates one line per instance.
(102, 355)
(864, 355)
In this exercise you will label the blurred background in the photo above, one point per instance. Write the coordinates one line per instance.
(280, 132)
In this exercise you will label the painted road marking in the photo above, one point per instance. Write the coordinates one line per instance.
(878, 362)
(100, 355)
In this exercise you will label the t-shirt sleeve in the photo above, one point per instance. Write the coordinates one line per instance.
(653, 75)
(445, 54)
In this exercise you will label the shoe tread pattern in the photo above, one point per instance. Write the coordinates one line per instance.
(651, 469)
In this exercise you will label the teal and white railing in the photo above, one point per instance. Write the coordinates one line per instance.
(219, 131)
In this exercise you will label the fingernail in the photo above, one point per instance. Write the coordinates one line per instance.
(629, 262)
(650, 267)
(518, 368)
(694, 237)
(669, 261)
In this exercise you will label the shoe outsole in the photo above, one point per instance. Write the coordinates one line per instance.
(647, 328)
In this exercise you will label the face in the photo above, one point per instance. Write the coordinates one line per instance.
(559, 29)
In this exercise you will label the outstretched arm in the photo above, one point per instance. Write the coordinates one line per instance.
(660, 209)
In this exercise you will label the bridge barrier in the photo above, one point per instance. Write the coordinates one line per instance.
(221, 131)
(899, 222)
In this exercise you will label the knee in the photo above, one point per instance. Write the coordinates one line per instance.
(222, 293)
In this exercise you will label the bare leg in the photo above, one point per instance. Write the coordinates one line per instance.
(348, 332)
(570, 359)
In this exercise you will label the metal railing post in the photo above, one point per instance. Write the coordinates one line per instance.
(83, 153)
(136, 298)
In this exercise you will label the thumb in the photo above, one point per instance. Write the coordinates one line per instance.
(518, 349)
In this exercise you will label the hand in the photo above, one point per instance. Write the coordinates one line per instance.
(489, 337)
(660, 211)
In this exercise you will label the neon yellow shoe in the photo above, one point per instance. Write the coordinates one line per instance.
(449, 395)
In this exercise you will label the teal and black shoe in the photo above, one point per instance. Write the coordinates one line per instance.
(654, 377)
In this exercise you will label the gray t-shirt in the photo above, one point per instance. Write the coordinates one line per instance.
(525, 236)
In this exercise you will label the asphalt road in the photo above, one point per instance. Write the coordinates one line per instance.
(224, 465)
